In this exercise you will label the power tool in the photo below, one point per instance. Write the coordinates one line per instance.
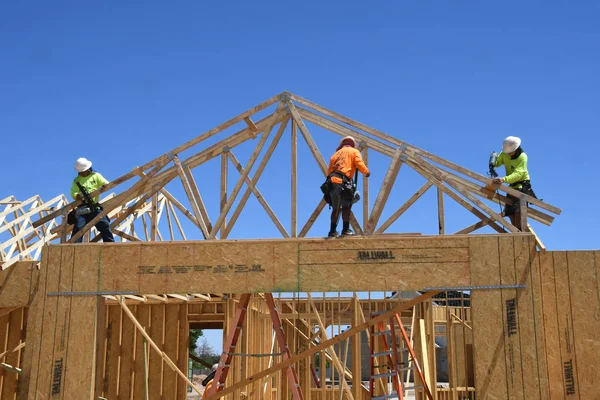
(492, 164)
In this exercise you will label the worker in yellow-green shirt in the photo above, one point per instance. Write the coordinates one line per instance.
(91, 181)
(517, 177)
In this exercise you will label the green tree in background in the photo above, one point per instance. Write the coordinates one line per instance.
(194, 335)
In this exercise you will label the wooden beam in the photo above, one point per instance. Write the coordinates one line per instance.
(223, 197)
(294, 167)
(438, 183)
(365, 188)
(257, 175)
(240, 182)
(440, 200)
(323, 345)
(252, 186)
(197, 196)
(404, 207)
(422, 152)
(188, 191)
(386, 188)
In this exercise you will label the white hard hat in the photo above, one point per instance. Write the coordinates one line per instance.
(82, 164)
(511, 144)
(350, 138)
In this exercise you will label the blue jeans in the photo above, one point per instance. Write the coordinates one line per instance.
(103, 226)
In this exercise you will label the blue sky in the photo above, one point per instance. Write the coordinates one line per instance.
(122, 83)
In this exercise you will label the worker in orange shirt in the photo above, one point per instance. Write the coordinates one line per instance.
(342, 166)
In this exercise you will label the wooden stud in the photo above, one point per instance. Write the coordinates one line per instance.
(190, 196)
(441, 224)
(386, 188)
(252, 187)
(242, 178)
(294, 167)
(404, 207)
(257, 175)
(197, 196)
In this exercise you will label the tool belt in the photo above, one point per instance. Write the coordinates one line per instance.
(80, 211)
(525, 188)
(348, 190)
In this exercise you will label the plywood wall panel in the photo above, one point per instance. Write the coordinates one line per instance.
(565, 325)
(512, 343)
(526, 317)
(488, 330)
(551, 332)
(585, 312)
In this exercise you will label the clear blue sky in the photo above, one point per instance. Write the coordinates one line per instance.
(123, 82)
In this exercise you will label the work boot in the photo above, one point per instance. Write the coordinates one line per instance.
(332, 234)
(347, 232)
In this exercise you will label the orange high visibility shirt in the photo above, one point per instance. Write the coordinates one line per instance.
(346, 160)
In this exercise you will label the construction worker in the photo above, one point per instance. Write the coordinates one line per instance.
(91, 181)
(342, 166)
(514, 160)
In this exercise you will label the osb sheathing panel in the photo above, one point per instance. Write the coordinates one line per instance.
(18, 284)
(280, 265)
(549, 330)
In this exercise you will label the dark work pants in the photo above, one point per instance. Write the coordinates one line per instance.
(103, 226)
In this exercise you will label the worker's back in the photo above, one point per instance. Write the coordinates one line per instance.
(346, 160)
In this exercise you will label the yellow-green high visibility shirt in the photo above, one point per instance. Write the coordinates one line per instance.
(91, 183)
(516, 170)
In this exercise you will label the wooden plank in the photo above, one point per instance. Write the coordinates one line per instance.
(257, 175)
(142, 314)
(365, 188)
(404, 207)
(190, 196)
(263, 202)
(155, 362)
(126, 358)
(512, 342)
(197, 196)
(386, 187)
(294, 168)
(223, 193)
(570, 367)
(439, 184)
(552, 335)
(171, 338)
(182, 349)
(585, 308)
(488, 332)
(111, 370)
(241, 180)
(441, 224)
